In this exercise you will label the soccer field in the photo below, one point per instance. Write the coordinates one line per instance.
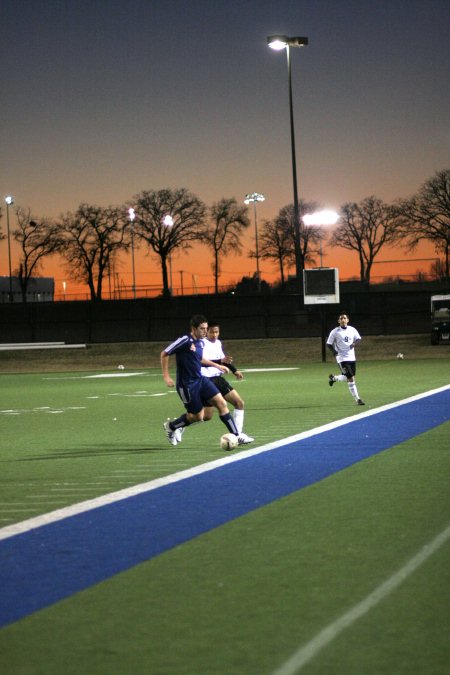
(255, 588)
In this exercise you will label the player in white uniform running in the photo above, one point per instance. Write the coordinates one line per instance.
(213, 351)
(341, 342)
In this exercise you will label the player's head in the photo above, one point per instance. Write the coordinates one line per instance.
(199, 325)
(213, 331)
(343, 319)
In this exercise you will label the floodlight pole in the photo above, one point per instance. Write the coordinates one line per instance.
(9, 201)
(132, 216)
(298, 265)
(249, 199)
(279, 42)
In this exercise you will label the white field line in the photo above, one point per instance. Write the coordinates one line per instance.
(90, 504)
(132, 374)
(333, 630)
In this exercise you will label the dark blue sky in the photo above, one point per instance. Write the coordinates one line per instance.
(104, 98)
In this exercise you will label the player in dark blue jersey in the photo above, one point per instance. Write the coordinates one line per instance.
(195, 391)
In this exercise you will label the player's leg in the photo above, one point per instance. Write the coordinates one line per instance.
(211, 396)
(238, 414)
(219, 402)
(232, 396)
(208, 412)
(351, 372)
(342, 377)
(194, 407)
(238, 405)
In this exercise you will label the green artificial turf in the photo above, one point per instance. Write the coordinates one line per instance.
(241, 598)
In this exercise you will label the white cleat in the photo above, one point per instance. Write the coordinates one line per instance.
(171, 435)
(179, 434)
(243, 439)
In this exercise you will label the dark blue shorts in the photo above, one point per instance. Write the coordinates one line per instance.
(197, 395)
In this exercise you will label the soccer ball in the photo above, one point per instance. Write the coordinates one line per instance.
(228, 442)
(400, 356)
(121, 367)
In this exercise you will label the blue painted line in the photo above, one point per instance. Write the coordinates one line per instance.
(54, 561)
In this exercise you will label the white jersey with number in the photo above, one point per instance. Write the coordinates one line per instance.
(342, 339)
(213, 351)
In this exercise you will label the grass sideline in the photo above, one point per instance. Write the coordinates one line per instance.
(283, 351)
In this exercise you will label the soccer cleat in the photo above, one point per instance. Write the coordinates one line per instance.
(331, 380)
(360, 402)
(171, 435)
(243, 439)
(179, 434)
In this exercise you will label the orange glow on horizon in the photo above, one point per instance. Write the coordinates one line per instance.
(191, 273)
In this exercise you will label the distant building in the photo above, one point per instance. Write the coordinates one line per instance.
(39, 289)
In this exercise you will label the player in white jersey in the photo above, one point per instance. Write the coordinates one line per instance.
(213, 351)
(341, 342)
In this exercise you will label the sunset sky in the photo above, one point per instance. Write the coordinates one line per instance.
(102, 99)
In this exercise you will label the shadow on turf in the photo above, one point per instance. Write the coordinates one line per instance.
(91, 452)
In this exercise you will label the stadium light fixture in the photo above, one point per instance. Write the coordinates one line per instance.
(278, 43)
(254, 198)
(320, 219)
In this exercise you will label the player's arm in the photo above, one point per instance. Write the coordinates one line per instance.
(332, 349)
(237, 373)
(228, 360)
(355, 341)
(215, 364)
(165, 369)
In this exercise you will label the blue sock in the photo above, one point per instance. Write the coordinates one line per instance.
(229, 422)
(179, 422)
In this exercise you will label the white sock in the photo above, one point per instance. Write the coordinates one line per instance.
(353, 390)
(238, 416)
(340, 378)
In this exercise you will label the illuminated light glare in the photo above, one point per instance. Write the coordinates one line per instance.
(131, 214)
(254, 197)
(9, 200)
(277, 45)
(326, 217)
(167, 220)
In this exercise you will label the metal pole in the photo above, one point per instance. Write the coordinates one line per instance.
(323, 324)
(257, 249)
(9, 253)
(298, 265)
(132, 260)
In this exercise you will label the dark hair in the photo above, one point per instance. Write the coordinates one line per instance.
(213, 324)
(197, 319)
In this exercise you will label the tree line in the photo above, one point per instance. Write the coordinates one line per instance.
(91, 239)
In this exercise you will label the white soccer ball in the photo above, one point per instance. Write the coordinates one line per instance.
(400, 355)
(121, 367)
(228, 442)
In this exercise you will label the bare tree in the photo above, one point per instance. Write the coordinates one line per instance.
(427, 216)
(437, 270)
(228, 221)
(278, 237)
(168, 220)
(37, 240)
(90, 240)
(276, 244)
(365, 228)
